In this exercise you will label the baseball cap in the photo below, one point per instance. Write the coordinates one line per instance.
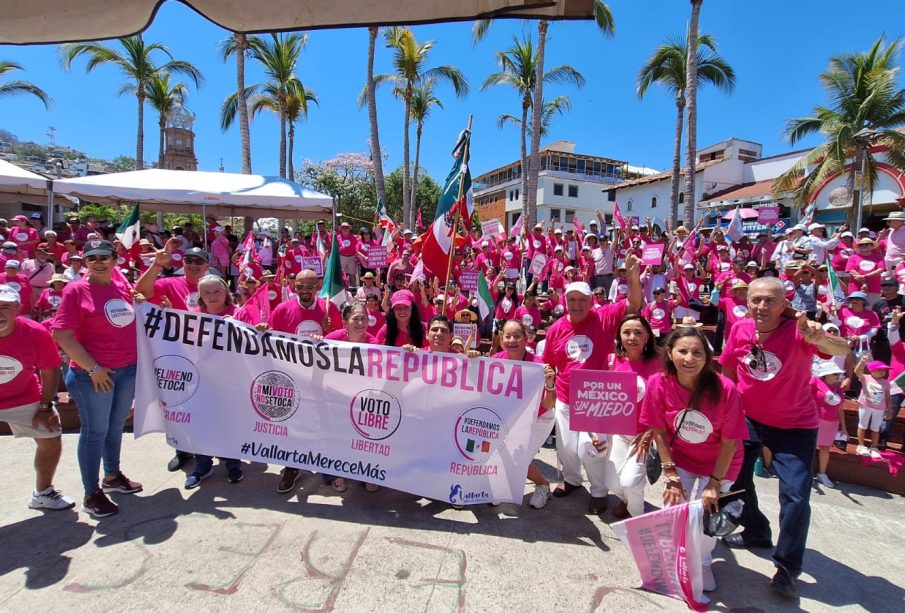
(10, 246)
(13, 264)
(198, 253)
(99, 247)
(8, 294)
(579, 286)
(876, 365)
(688, 267)
(858, 295)
(402, 296)
(36, 216)
(20, 218)
(889, 282)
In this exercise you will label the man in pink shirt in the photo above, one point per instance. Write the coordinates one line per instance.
(348, 250)
(769, 357)
(29, 373)
(181, 291)
(584, 339)
(895, 241)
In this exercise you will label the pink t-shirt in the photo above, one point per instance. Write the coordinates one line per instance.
(182, 294)
(583, 346)
(860, 265)
(697, 444)
(782, 370)
(645, 369)
(29, 349)
(874, 392)
(529, 317)
(828, 399)
(292, 317)
(376, 319)
(857, 324)
(343, 335)
(348, 244)
(659, 314)
(103, 320)
(22, 236)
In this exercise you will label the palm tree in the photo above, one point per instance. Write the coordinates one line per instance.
(238, 44)
(297, 99)
(371, 88)
(666, 67)
(603, 18)
(423, 100)
(16, 88)
(518, 69)
(164, 99)
(558, 106)
(409, 60)
(867, 109)
(691, 107)
(135, 61)
(279, 56)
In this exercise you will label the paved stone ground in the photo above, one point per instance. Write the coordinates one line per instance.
(244, 547)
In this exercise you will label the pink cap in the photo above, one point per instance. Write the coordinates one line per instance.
(877, 365)
(403, 296)
(20, 218)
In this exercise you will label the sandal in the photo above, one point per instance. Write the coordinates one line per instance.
(339, 484)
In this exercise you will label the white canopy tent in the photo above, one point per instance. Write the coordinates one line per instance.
(54, 21)
(20, 185)
(208, 193)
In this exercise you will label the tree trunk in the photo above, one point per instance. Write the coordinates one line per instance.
(523, 152)
(537, 110)
(291, 173)
(676, 164)
(414, 196)
(140, 140)
(406, 171)
(691, 107)
(163, 125)
(376, 154)
(282, 140)
(244, 135)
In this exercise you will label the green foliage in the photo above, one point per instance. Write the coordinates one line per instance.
(427, 197)
(123, 163)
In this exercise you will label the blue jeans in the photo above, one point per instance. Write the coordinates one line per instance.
(204, 463)
(793, 461)
(102, 415)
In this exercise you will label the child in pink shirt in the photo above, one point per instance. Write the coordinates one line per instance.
(874, 404)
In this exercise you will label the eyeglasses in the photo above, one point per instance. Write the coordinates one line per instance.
(194, 260)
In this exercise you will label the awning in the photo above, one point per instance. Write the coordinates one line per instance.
(219, 193)
(20, 185)
(55, 21)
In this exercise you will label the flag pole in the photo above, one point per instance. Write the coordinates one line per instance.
(455, 225)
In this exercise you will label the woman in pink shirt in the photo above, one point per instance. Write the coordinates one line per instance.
(95, 326)
(659, 313)
(857, 323)
(403, 324)
(865, 267)
(698, 423)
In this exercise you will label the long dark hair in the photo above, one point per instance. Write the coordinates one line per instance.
(650, 347)
(416, 330)
(708, 382)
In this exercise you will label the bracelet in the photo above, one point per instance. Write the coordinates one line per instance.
(717, 480)
(552, 388)
(668, 465)
(93, 370)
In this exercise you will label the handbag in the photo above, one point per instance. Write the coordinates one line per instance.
(653, 464)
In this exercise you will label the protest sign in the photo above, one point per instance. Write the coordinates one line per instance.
(768, 215)
(604, 401)
(537, 263)
(468, 280)
(491, 228)
(464, 331)
(313, 263)
(435, 425)
(377, 257)
(652, 255)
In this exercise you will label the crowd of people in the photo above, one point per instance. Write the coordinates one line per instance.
(744, 348)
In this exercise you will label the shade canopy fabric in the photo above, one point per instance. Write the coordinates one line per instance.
(183, 191)
(20, 185)
(54, 21)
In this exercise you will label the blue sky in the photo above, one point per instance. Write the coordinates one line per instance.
(777, 48)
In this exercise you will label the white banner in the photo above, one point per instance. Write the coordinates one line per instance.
(370, 413)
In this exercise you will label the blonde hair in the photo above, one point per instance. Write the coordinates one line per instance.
(212, 278)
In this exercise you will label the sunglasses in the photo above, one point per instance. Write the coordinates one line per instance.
(194, 260)
(304, 286)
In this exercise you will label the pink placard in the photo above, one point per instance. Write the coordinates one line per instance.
(768, 215)
(537, 263)
(377, 257)
(652, 255)
(313, 263)
(603, 401)
(468, 280)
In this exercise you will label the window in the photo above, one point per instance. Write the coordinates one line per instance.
(555, 162)
(681, 197)
(573, 191)
(517, 194)
(580, 166)
(628, 205)
(596, 168)
(570, 216)
(557, 189)
(554, 215)
(653, 202)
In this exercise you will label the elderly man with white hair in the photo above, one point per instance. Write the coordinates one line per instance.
(584, 339)
(895, 240)
(819, 244)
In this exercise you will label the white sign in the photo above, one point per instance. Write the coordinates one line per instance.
(491, 228)
(366, 412)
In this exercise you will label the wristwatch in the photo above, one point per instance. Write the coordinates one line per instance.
(45, 406)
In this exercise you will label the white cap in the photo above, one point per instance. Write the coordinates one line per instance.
(864, 230)
(49, 233)
(13, 263)
(688, 267)
(830, 326)
(578, 286)
(485, 244)
(440, 297)
(751, 264)
(558, 248)
(847, 234)
(8, 294)
(826, 367)
(799, 226)
(814, 226)
(407, 231)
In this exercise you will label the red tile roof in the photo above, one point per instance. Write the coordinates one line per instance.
(662, 175)
(740, 192)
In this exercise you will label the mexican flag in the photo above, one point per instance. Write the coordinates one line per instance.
(129, 232)
(485, 300)
(386, 223)
(333, 289)
(836, 295)
(437, 242)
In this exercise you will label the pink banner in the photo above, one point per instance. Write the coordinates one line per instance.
(652, 255)
(603, 401)
(667, 548)
(768, 215)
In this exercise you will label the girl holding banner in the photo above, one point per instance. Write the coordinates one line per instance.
(698, 424)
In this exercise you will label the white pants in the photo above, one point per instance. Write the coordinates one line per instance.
(870, 419)
(626, 477)
(574, 449)
(694, 485)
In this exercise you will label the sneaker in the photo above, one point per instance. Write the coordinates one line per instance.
(120, 483)
(178, 461)
(784, 583)
(875, 454)
(824, 480)
(862, 450)
(195, 479)
(540, 497)
(339, 484)
(288, 477)
(50, 499)
(709, 581)
(235, 475)
(98, 505)
(372, 487)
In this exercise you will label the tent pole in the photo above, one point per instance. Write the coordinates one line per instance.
(204, 224)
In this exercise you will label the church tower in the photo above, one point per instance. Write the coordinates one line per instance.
(179, 141)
